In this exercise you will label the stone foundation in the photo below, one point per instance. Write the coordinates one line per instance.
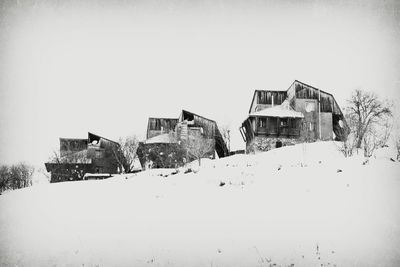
(264, 143)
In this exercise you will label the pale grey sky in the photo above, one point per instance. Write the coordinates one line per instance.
(69, 67)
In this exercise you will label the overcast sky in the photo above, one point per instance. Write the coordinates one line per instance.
(69, 67)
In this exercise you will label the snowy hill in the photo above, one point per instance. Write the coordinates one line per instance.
(304, 205)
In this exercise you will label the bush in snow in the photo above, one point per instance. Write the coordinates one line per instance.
(125, 153)
(198, 147)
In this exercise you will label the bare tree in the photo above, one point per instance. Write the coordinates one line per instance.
(365, 112)
(125, 153)
(226, 135)
(348, 145)
(387, 128)
(198, 147)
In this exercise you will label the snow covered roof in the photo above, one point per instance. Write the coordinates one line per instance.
(162, 138)
(283, 111)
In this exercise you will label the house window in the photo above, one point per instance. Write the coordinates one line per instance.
(266, 97)
(157, 125)
(292, 123)
(262, 122)
(262, 98)
(310, 106)
(278, 144)
(98, 154)
(310, 126)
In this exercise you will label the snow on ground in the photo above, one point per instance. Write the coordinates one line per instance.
(304, 205)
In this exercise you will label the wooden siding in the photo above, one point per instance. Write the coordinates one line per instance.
(263, 99)
(210, 130)
(299, 96)
(195, 120)
(328, 102)
(79, 156)
(271, 97)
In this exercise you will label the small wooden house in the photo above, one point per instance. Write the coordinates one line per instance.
(302, 113)
(94, 154)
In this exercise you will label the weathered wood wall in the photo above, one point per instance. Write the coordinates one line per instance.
(210, 130)
(157, 126)
(264, 99)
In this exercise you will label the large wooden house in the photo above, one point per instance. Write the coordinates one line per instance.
(94, 154)
(302, 113)
(167, 138)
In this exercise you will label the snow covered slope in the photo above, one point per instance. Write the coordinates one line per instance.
(304, 205)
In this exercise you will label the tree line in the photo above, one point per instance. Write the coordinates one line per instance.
(15, 176)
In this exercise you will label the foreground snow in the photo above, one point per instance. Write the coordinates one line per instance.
(293, 206)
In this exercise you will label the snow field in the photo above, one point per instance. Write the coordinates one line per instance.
(293, 206)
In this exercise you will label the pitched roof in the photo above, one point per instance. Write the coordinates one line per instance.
(92, 135)
(313, 87)
(194, 114)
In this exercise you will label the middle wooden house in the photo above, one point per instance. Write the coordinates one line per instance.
(168, 139)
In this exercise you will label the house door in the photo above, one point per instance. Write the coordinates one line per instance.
(310, 119)
(309, 129)
(278, 144)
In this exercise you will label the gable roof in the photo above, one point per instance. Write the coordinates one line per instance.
(95, 136)
(313, 87)
(295, 81)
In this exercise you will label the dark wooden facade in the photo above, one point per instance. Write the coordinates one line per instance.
(265, 99)
(169, 136)
(325, 105)
(80, 156)
(209, 128)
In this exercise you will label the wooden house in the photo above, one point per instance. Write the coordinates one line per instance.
(167, 139)
(302, 113)
(94, 154)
